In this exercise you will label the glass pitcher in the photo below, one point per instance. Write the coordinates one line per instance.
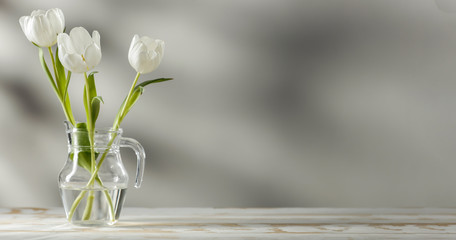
(93, 181)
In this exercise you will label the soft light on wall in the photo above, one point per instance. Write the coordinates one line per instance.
(274, 103)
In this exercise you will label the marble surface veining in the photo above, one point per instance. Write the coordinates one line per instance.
(225, 223)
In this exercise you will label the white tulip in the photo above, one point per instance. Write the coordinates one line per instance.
(145, 53)
(42, 27)
(79, 52)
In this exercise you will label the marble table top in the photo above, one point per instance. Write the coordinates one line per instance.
(235, 223)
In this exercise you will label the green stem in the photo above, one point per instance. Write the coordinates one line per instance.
(119, 116)
(94, 167)
(68, 76)
(66, 107)
(66, 101)
(114, 127)
(76, 204)
(91, 130)
(90, 125)
(48, 73)
(94, 174)
(108, 199)
(53, 62)
(68, 114)
(111, 207)
(90, 184)
(81, 196)
(88, 209)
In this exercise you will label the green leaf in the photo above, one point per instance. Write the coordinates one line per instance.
(92, 88)
(133, 99)
(81, 126)
(60, 78)
(137, 91)
(65, 94)
(81, 136)
(145, 83)
(81, 140)
(95, 108)
(67, 109)
(90, 93)
(84, 159)
(117, 120)
(69, 75)
(45, 68)
(135, 95)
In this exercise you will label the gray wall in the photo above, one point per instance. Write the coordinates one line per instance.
(274, 103)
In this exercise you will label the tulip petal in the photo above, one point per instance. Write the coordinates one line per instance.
(137, 56)
(92, 56)
(65, 44)
(148, 64)
(34, 27)
(23, 21)
(160, 48)
(56, 19)
(139, 48)
(37, 12)
(134, 41)
(155, 62)
(96, 38)
(149, 42)
(81, 39)
(151, 55)
(144, 63)
(40, 31)
(74, 62)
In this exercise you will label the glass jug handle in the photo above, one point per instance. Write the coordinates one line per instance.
(140, 155)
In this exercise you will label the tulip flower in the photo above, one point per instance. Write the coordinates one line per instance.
(145, 53)
(79, 52)
(42, 27)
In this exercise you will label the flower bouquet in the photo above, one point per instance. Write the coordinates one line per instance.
(93, 180)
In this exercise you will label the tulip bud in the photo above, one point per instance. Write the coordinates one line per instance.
(145, 53)
(79, 52)
(42, 27)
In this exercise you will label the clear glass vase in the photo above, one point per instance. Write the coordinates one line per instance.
(93, 181)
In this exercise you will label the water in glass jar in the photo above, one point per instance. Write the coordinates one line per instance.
(104, 209)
